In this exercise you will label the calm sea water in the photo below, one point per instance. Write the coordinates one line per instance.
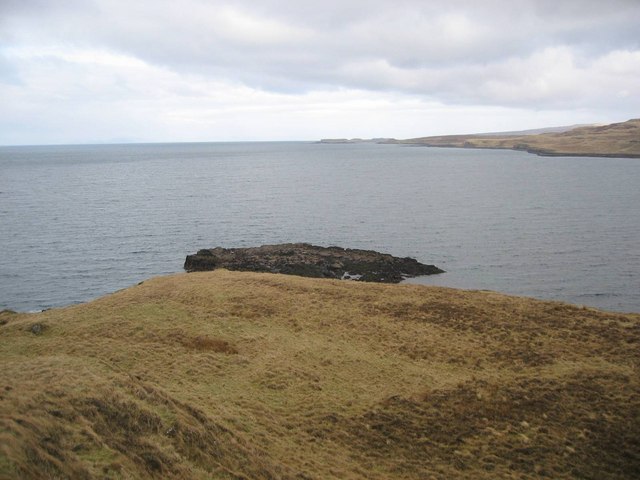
(77, 222)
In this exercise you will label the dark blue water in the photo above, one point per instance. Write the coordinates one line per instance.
(77, 222)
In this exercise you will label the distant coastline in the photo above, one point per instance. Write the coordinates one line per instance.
(617, 140)
(357, 140)
(533, 151)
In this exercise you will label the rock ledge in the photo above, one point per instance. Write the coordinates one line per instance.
(308, 260)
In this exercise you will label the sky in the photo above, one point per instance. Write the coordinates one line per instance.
(112, 71)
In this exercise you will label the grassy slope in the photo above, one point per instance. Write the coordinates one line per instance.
(617, 139)
(244, 375)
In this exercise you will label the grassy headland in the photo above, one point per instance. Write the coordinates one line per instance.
(615, 140)
(245, 375)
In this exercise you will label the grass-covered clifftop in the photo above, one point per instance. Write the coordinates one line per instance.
(244, 375)
(614, 140)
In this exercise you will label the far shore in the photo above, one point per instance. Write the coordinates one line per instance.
(617, 140)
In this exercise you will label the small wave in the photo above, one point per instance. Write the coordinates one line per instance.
(10, 275)
(599, 295)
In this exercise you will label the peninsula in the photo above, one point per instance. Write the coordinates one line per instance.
(614, 140)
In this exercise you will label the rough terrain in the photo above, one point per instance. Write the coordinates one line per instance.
(236, 375)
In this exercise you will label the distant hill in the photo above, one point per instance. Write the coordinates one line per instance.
(614, 140)
(233, 375)
(536, 131)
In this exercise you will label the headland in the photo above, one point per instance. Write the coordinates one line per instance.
(614, 140)
(243, 375)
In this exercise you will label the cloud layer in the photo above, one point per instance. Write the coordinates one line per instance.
(112, 70)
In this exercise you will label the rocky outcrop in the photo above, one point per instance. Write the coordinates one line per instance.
(308, 260)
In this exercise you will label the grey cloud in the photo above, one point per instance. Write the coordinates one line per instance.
(454, 51)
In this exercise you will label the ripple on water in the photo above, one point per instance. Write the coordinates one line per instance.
(82, 221)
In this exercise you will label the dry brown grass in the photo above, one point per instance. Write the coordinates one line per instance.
(615, 140)
(243, 375)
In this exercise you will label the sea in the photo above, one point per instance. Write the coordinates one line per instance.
(81, 221)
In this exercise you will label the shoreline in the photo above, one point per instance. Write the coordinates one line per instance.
(532, 151)
(616, 140)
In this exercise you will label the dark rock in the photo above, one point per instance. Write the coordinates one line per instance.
(37, 328)
(308, 260)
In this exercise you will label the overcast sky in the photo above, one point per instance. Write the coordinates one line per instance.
(88, 71)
